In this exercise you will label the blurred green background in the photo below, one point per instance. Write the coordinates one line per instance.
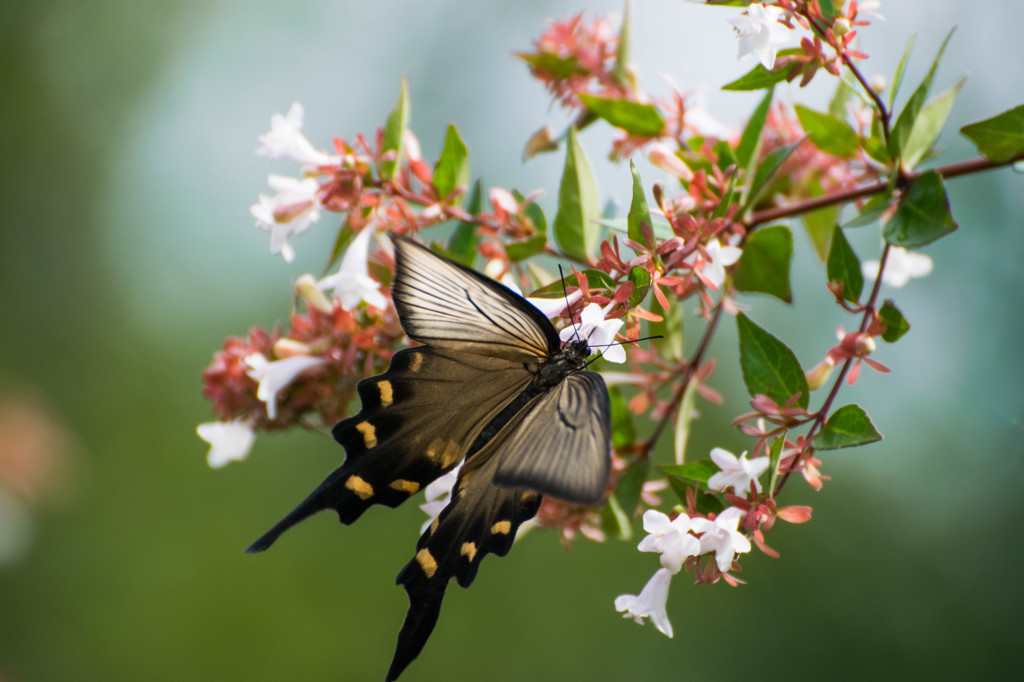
(127, 255)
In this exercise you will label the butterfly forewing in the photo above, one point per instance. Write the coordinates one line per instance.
(561, 447)
(412, 429)
(445, 305)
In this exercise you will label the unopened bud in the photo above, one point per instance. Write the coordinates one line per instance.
(819, 374)
(290, 348)
(305, 286)
(841, 26)
(878, 83)
(662, 157)
(865, 344)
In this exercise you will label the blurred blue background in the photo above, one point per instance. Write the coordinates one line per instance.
(127, 255)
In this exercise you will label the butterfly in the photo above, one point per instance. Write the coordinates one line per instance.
(493, 387)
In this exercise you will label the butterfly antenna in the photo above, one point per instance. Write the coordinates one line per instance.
(565, 294)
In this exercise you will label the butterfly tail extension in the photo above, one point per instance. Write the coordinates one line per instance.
(480, 520)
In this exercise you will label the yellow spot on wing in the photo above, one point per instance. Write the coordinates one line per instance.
(434, 524)
(501, 528)
(445, 453)
(468, 550)
(360, 487)
(387, 395)
(369, 433)
(403, 485)
(426, 562)
(528, 496)
(415, 362)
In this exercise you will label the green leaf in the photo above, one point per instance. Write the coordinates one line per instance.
(901, 67)
(683, 420)
(764, 265)
(575, 230)
(874, 147)
(818, 225)
(595, 280)
(928, 126)
(769, 367)
(620, 71)
(923, 213)
(670, 329)
(725, 156)
(641, 279)
(394, 130)
(694, 473)
(829, 134)
(872, 210)
(895, 324)
(848, 426)
(636, 118)
(452, 169)
(908, 117)
(341, 241)
(774, 453)
(843, 266)
(623, 430)
(662, 228)
(638, 211)
(759, 77)
(559, 67)
(631, 485)
(840, 99)
(462, 245)
(750, 141)
(769, 166)
(518, 251)
(999, 138)
(614, 521)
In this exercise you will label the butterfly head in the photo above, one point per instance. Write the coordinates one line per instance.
(576, 353)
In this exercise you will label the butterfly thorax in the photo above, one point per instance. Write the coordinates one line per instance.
(571, 358)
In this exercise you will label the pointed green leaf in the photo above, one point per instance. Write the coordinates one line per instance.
(908, 117)
(452, 169)
(623, 430)
(1001, 137)
(670, 329)
(636, 118)
(595, 280)
(641, 280)
(818, 225)
(760, 78)
(683, 420)
(575, 230)
(394, 130)
(872, 210)
(559, 67)
(773, 462)
(895, 324)
(462, 245)
(928, 126)
(766, 171)
(528, 248)
(844, 267)
(638, 211)
(769, 367)
(901, 67)
(631, 485)
(764, 265)
(614, 521)
(693, 473)
(828, 133)
(341, 241)
(750, 141)
(620, 71)
(848, 426)
(923, 213)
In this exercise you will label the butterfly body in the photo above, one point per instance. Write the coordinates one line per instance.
(493, 388)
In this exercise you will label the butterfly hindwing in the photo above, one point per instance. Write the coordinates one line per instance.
(561, 447)
(481, 519)
(412, 429)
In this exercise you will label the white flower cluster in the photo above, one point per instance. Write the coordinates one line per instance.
(681, 538)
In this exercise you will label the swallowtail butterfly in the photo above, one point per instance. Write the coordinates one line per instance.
(491, 385)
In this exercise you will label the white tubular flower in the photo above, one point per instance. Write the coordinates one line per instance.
(713, 270)
(736, 473)
(650, 603)
(900, 267)
(597, 332)
(229, 441)
(722, 537)
(671, 538)
(273, 377)
(291, 211)
(352, 283)
(438, 494)
(286, 140)
(760, 33)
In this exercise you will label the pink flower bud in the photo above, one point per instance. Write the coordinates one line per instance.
(820, 373)
(305, 286)
(662, 157)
